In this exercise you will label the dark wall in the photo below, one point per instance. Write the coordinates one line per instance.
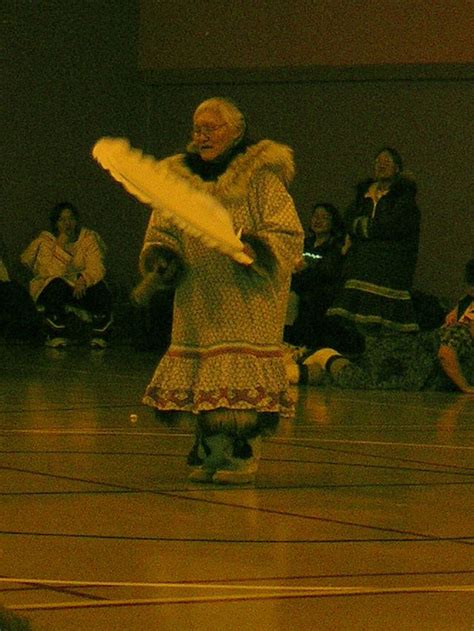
(335, 79)
(69, 76)
(335, 125)
(74, 71)
(300, 33)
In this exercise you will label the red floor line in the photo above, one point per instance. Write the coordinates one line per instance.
(228, 599)
(467, 540)
(378, 456)
(268, 511)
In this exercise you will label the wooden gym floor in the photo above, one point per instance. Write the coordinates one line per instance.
(362, 517)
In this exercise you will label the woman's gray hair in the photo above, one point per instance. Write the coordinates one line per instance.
(229, 112)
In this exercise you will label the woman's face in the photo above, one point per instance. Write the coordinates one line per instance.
(384, 166)
(67, 223)
(212, 135)
(321, 221)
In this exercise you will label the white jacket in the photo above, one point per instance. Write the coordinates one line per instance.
(47, 260)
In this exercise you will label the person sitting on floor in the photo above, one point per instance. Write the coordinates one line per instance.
(318, 275)
(18, 316)
(68, 283)
(442, 359)
(457, 336)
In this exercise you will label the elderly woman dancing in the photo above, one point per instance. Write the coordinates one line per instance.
(224, 368)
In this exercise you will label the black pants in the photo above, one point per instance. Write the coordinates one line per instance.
(97, 299)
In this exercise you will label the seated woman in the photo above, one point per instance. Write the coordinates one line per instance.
(318, 275)
(68, 269)
(18, 316)
(456, 338)
(384, 224)
(431, 360)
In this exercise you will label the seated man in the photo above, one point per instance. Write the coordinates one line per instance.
(441, 359)
(68, 277)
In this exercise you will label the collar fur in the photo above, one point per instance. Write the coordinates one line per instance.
(232, 185)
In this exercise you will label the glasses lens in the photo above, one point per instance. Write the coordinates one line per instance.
(206, 130)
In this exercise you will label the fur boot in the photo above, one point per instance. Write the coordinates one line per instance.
(242, 466)
(218, 453)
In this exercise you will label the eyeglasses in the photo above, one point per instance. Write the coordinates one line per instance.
(207, 130)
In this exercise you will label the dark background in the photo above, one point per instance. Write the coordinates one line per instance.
(335, 79)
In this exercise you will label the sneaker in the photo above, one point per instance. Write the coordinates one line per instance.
(56, 342)
(55, 322)
(100, 324)
(98, 343)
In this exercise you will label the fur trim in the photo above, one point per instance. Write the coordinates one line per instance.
(189, 207)
(232, 185)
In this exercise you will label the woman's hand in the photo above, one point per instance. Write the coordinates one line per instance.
(63, 240)
(161, 270)
(249, 251)
(300, 265)
(166, 269)
(80, 287)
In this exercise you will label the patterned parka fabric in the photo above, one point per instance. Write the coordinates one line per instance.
(226, 346)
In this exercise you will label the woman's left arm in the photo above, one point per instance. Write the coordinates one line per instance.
(449, 362)
(455, 341)
(93, 251)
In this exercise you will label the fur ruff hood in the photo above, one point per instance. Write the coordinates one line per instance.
(233, 184)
